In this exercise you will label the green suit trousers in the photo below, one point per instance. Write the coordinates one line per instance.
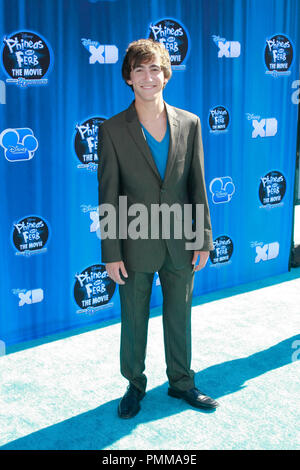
(135, 294)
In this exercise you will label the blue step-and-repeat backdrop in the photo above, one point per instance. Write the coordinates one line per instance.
(235, 64)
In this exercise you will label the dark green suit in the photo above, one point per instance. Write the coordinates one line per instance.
(127, 168)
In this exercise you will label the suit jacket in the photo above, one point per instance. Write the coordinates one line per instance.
(126, 168)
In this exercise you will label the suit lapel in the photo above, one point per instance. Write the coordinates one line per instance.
(137, 134)
(174, 125)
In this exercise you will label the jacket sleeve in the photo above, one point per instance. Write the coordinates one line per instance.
(108, 191)
(197, 188)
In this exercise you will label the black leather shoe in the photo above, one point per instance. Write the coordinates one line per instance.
(194, 397)
(129, 405)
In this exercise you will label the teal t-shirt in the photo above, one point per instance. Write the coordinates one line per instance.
(159, 150)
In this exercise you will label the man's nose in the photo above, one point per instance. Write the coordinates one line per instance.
(147, 75)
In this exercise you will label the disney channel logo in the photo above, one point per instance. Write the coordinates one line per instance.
(222, 189)
(19, 144)
(26, 58)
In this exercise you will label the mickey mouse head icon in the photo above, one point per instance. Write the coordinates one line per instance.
(19, 144)
(222, 189)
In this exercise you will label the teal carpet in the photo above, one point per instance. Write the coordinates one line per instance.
(62, 393)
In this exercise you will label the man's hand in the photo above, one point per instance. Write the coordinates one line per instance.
(202, 261)
(113, 271)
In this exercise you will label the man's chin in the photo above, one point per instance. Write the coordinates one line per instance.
(149, 96)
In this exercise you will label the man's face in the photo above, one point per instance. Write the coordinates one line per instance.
(148, 80)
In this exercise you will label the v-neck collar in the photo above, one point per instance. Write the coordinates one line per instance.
(153, 138)
(138, 136)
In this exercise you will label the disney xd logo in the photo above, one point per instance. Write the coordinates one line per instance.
(264, 127)
(265, 252)
(228, 49)
(101, 53)
(29, 297)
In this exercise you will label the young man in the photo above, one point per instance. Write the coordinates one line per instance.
(152, 154)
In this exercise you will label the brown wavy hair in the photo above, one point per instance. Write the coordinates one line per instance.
(142, 51)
